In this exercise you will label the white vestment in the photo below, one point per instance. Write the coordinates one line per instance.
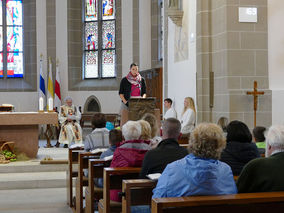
(70, 130)
(187, 121)
(170, 113)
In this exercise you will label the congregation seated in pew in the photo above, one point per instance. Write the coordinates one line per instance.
(130, 152)
(239, 149)
(167, 151)
(266, 174)
(259, 138)
(200, 172)
(69, 117)
(99, 137)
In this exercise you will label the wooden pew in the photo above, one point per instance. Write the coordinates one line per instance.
(92, 193)
(81, 179)
(245, 203)
(113, 180)
(72, 162)
(136, 192)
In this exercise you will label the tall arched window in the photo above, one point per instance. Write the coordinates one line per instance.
(99, 39)
(11, 39)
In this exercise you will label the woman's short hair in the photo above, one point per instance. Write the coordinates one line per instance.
(239, 132)
(275, 137)
(131, 130)
(258, 133)
(133, 65)
(151, 119)
(207, 141)
(145, 130)
(99, 120)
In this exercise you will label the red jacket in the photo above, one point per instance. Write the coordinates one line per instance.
(128, 154)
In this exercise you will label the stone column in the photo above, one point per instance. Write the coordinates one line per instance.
(237, 54)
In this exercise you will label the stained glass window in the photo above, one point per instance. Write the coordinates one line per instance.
(11, 38)
(99, 39)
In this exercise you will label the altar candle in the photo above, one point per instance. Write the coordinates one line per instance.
(50, 104)
(40, 104)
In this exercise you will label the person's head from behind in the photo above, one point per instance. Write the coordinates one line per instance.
(168, 103)
(207, 141)
(68, 101)
(223, 123)
(274, 140)
(146, 130)
(171, 128)
(131, 130)
(98, 120)
(151, 119)
(115, 136)
(134, 69)
(239, 132)
(258, 133)
(189, 104)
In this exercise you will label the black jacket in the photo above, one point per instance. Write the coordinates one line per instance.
(125, 88)
(238, 154)
(156, 160)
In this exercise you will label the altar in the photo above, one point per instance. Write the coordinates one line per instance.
(23, 129)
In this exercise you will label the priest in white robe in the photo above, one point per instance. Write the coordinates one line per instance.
(69, 117)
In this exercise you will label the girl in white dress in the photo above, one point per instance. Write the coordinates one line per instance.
(188, 116)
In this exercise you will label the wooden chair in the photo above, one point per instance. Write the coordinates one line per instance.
(113, 180)
(81, 179)
(92, 192)
(246, 203)
(136, 192)
(73, 155)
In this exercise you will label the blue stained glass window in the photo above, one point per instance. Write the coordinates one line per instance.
(11, 39)
(99, 39)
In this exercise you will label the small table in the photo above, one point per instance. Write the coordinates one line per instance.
(23, 129)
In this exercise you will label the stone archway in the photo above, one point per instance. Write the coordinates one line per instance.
(92, 104)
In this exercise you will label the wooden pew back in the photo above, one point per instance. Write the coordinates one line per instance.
(246, 203)
(72, 160)
(96, 170)
(81, 180)
(136, 192)
(113, 180)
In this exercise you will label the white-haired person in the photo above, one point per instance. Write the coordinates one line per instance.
(69, 117)
(200, 172)
(130, 152)
(266, 174)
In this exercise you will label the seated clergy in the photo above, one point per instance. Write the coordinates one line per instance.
(200, 172)
(69, 117)
(266, 174)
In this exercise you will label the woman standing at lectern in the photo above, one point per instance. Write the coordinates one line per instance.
(133, 85)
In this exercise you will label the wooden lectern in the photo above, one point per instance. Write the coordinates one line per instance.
(138, 107)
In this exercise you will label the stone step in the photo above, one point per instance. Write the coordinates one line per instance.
(18, 167)
(32, 180)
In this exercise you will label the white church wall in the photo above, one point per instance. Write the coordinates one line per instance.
(109, 100)
(145, 34)
(276, 58)
(182, 74)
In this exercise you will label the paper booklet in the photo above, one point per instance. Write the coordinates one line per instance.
(98, 150)
(154, 176)
(108, 157)
(76, 145)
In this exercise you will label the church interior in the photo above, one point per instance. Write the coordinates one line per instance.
(224, 54)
